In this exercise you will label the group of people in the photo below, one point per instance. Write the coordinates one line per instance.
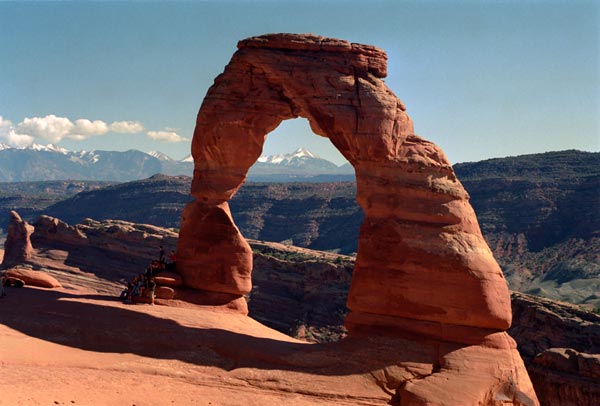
(143, 285)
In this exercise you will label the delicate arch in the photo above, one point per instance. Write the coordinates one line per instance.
(422, 262)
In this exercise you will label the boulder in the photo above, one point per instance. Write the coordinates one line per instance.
(33, 278)
(165, 292)
(167, 278)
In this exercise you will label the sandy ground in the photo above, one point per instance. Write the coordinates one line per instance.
(60, 347)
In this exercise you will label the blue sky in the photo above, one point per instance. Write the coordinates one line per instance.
(481, 79)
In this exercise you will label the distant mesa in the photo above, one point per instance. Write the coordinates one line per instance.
(422, 266)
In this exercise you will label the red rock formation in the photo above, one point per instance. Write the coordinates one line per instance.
(165, 292)
(422, 267)
(421, 254)
(17, 247)
(564, 376)
(560, 344)
(34, 278)
(166, 278)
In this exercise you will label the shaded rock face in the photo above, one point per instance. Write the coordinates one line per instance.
(421, 255)
(17, 247)
(422, 265)
(564, 376)
(560, 344)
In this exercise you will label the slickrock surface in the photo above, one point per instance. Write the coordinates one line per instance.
(155, 355)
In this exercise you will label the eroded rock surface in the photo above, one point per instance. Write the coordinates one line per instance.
(421, 254)
(17, 247)
(423, 267)
(560, 344)
(564, 376)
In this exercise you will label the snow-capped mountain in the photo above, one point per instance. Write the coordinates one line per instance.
(297, 166)
(48, 148)
(288, 159)
(188, 158)
(160, 155)
(300, 159)
(49, 162)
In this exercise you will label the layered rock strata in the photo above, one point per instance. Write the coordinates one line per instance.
(560, 344)
(422, 268)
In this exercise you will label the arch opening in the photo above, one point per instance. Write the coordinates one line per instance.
(295, 134)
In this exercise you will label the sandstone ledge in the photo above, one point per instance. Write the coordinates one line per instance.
(377, 58)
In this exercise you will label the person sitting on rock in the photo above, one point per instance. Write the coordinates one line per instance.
(151, 289)
(161, 254)
(126, 293)
(173, 259)
(156, 267)
(151, 269)
(137, 284)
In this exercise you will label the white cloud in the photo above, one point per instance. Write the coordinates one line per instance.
(9, 136)
(85, 128)
(54, 129)
(50, 128)
(18, 140)
(128, 127)
(166, 136)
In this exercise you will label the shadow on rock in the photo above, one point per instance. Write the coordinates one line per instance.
(71, 320)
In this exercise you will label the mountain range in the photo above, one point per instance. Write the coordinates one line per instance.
(49, 162)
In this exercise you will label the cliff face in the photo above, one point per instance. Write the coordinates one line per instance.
(541, 217)
(560, 344)
(300, 292)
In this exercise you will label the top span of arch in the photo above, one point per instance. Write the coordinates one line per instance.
(366, 57)
(336, 85)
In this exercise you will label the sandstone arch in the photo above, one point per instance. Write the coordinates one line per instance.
(422, 263)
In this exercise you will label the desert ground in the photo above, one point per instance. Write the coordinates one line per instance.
(73, 346)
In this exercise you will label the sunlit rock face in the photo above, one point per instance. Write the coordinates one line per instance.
(422, 266)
